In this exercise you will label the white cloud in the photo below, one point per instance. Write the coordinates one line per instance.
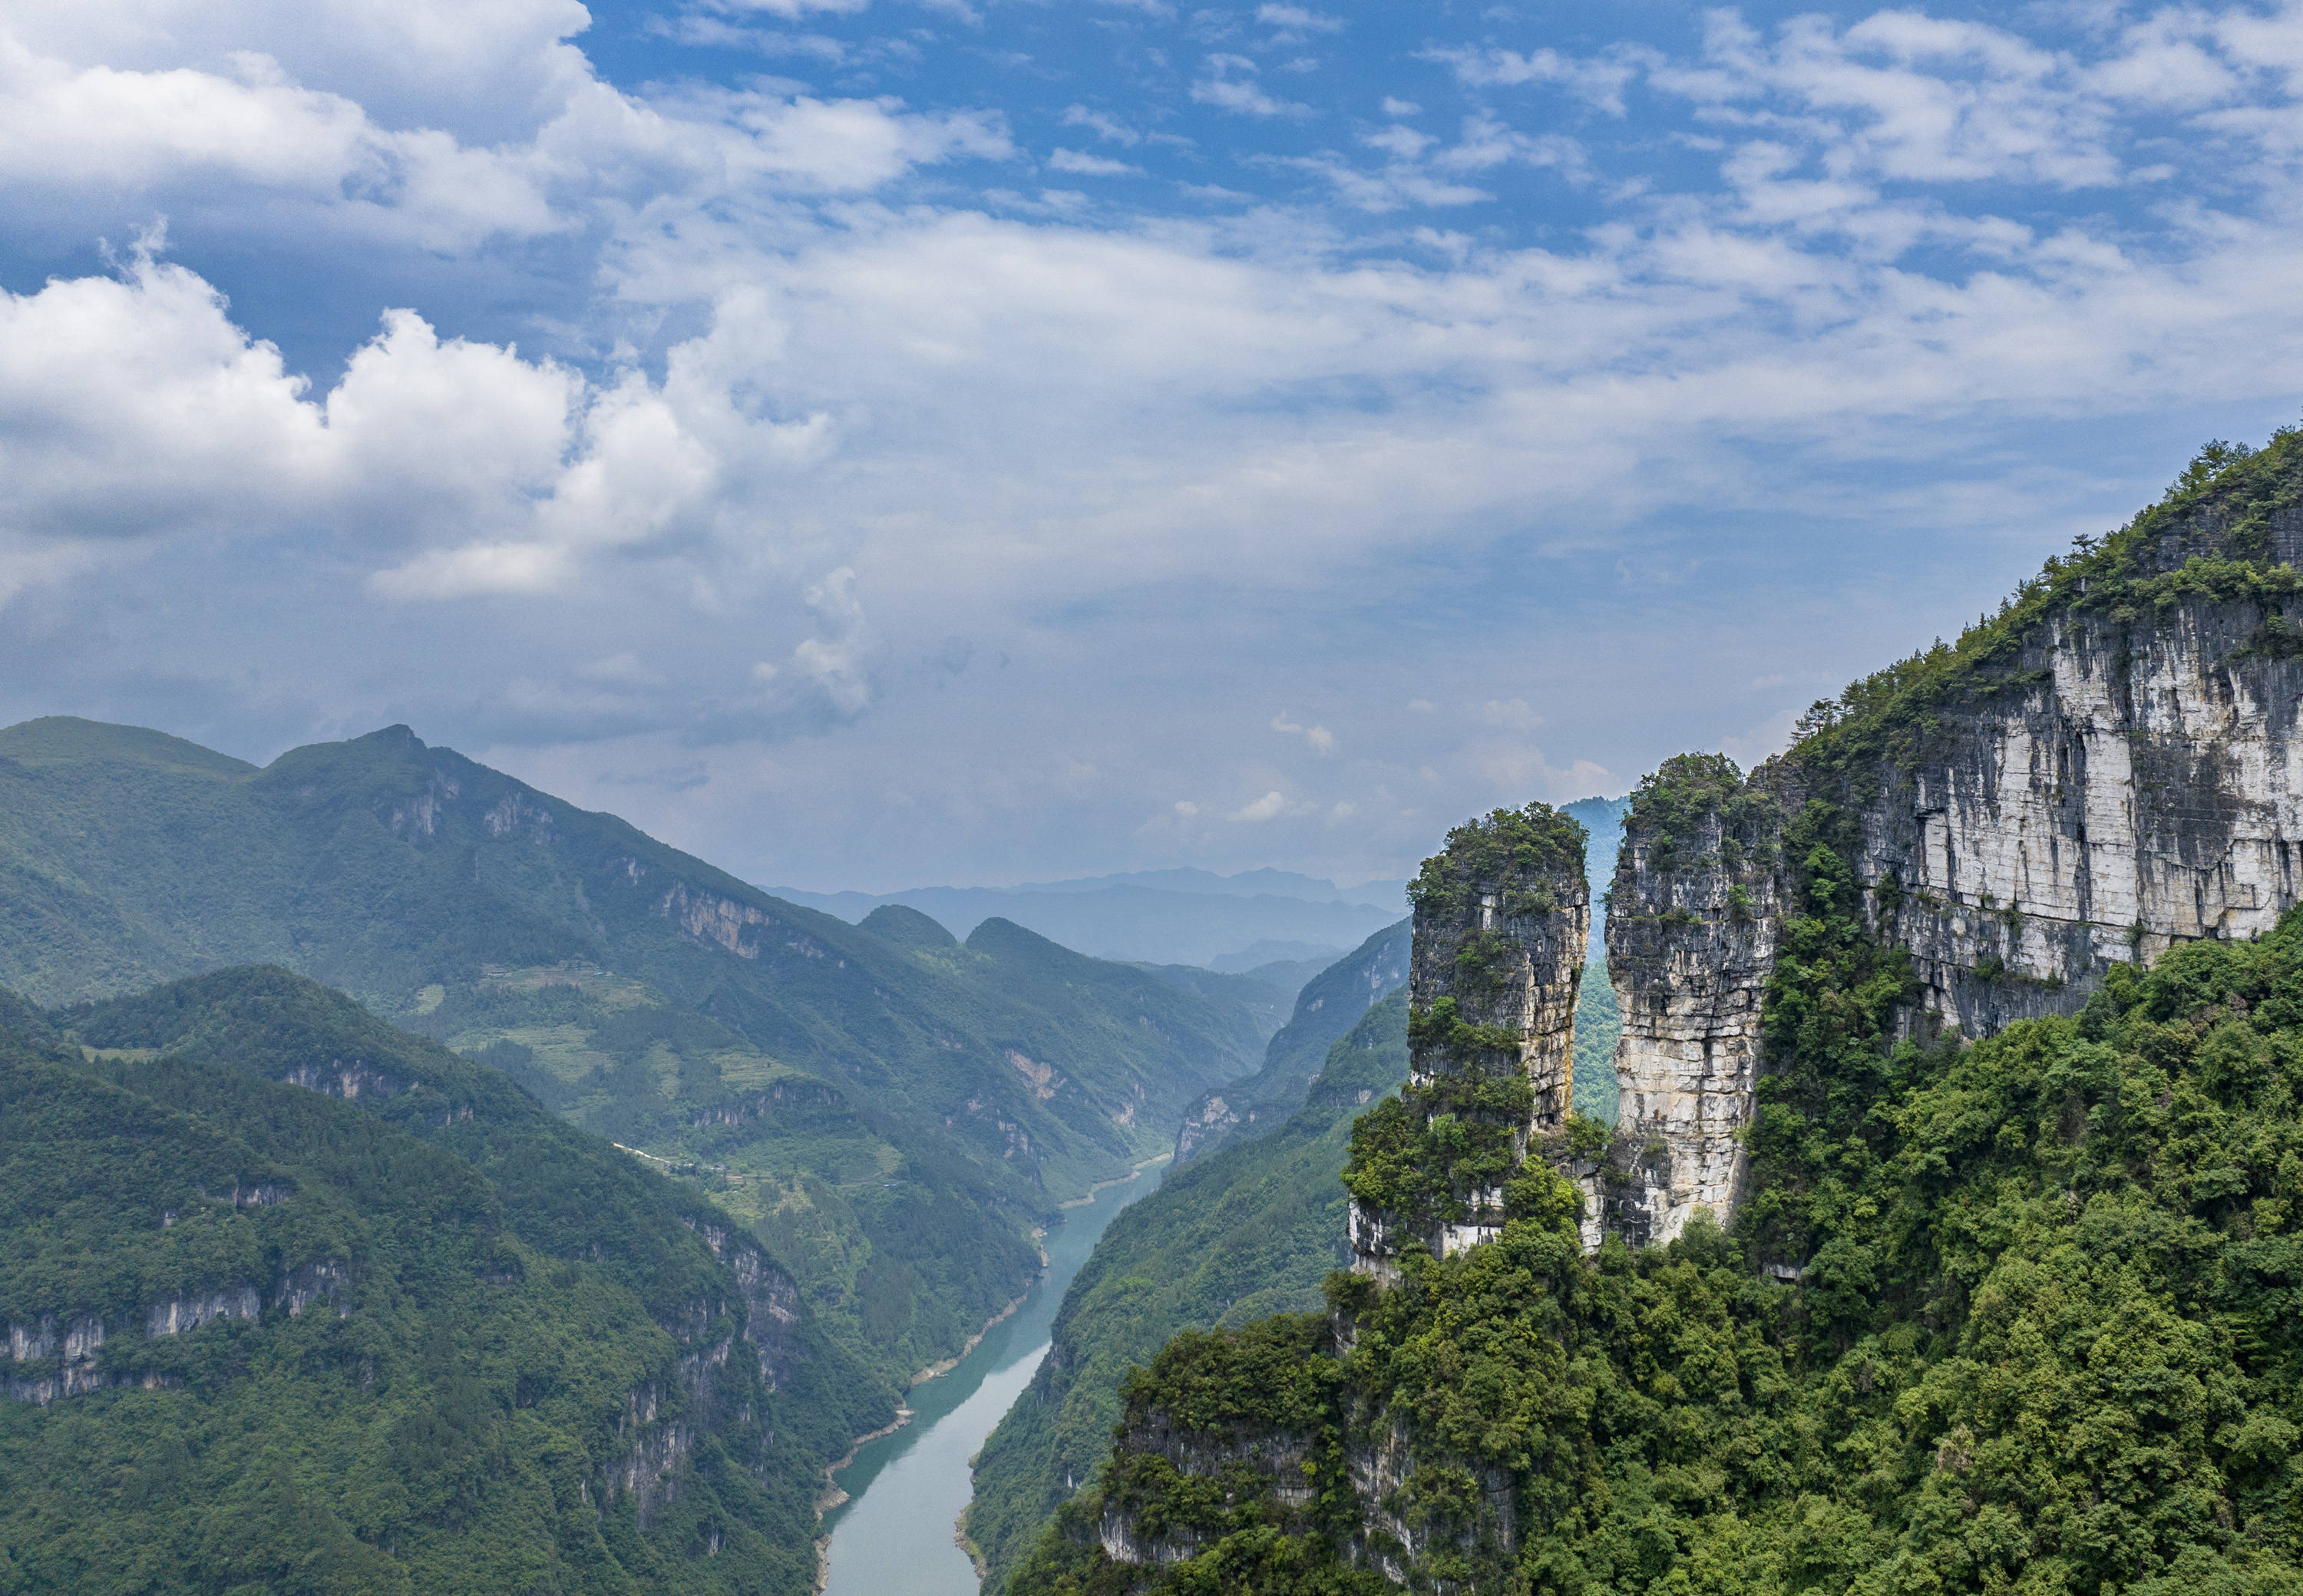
(1599, 80)
(65, 130)
(1229, 85)
(835, 672)
(1295, 23)
(132, 410)
(1091, 166)
(258, 140)
(1103, 127)
(790, 10)
(1318, 738)
(1268, 807)
(772, 357)
(1401, 143)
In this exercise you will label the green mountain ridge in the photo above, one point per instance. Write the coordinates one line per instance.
(1326, 1008)
(894, 1117)
(300, 1301)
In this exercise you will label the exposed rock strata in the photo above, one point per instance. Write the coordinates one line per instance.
(1691, 933)
(1501, 928)
(2110, 769)
(2121, 774)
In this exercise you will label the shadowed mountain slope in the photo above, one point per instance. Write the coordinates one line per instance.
(1329, 1005)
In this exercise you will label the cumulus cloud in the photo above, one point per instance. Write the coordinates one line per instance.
(257, 139)
(132, 410)
(794, 352)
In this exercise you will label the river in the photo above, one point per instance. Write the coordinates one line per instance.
(897, 1535)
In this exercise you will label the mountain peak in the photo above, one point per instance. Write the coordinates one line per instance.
(907, 927)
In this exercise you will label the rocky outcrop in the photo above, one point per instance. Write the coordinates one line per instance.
(1692, 930)
(2138, 784)
(1269, 1465)
(1276, 1439)
(2108, 768)
(1502, 919)
(1395, 1535)
(770, 1301)
(348, 1079)
(50, 1366)
(179, 1314)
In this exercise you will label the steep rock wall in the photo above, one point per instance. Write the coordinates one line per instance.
(1501, 926)
(1691, 933)
(2108, 768)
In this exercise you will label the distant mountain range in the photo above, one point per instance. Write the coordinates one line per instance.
(890, 1111)
(1158, 916)
(893, 1111)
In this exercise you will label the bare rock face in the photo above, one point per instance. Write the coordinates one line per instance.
(1502, 918)
(1691, 934)
(2143, 787)
(1507, 945)
(2109, 768)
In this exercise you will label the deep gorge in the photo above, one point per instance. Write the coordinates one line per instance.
(1943, 1241)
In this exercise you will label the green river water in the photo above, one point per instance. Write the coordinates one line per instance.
(897, 1535)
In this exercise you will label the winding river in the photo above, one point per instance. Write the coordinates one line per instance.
(897, 1535)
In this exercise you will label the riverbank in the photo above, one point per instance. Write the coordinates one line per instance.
(1133, 1170)
(942, 1366)
(900, 1535)
(831, 1496)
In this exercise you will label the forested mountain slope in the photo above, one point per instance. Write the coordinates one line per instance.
(1328, 1007)
(295, 1301)
(897, 1116)
(1948, 1242)
(1250, 1229)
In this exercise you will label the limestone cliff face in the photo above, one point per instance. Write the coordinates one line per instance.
(1502, 919)
(1534, 925)
(1691, 941)
(2109, 769)
(2143, 787)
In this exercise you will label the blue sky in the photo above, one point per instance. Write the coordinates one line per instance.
(876, 442)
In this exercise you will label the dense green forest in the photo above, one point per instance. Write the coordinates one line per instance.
(2047, 1339)
(297, 1301)
(1250, 1230)
(896, 1112)
(888, 1232)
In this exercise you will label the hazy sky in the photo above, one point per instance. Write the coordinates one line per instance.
(878, 442)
